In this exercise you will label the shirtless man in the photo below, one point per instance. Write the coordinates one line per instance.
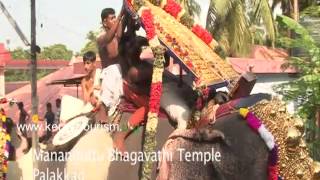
(108, 41)
(90, 84)
(89, 61)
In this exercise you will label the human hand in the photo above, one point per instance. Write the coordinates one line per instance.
(93, 101)
(96, 107)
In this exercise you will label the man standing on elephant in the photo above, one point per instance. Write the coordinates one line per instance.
(108, 40)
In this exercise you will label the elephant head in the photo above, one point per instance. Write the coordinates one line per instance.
(243, 153)
(233, 149)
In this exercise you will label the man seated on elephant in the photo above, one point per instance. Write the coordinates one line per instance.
(136, 89)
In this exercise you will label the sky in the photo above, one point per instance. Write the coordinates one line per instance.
(60, 21)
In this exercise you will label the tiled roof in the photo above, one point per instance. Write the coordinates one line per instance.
(7, 61)
(262, 60)
(259, 66)
(45, 93)
(41, 64)
(12, 86)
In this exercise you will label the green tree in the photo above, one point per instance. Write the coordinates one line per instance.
(91, 44)
(287, 5)
(306, 89)
(311, 11)
(20, 53)
(231, 23)
(56, 51)
(13, 75)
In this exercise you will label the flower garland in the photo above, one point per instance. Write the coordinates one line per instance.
(175, 9)
(156, 85)
(5, 147)
(202, 95)
(202, 33)
(255, 124)
(147, 19)
(172, 8)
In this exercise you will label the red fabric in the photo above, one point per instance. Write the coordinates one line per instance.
(223, 110)
(138, 117)
(141, 101)
(226, 108)
(3, 100)
(129, 107)
(138, 99)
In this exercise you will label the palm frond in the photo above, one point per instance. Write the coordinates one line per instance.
(218, 10)
(221, 8)
(191, 6)
(238, 28)
(229, 18)
(263, 14)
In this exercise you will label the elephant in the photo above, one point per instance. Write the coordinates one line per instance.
(236, 151)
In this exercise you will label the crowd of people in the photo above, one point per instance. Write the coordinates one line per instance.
(50, 119)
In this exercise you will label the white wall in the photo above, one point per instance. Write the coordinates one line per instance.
(266, 82)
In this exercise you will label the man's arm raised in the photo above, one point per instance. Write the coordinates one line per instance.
(107, 37)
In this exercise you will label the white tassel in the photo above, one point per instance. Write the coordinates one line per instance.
(267, 137)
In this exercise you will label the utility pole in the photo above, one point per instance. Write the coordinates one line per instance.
(33, 70)
(14, 24)
(296, 10)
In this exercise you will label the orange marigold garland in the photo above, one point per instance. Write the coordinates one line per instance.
(156, 85)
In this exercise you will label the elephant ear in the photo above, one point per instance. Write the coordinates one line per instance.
(209, 134)
(206, 134)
